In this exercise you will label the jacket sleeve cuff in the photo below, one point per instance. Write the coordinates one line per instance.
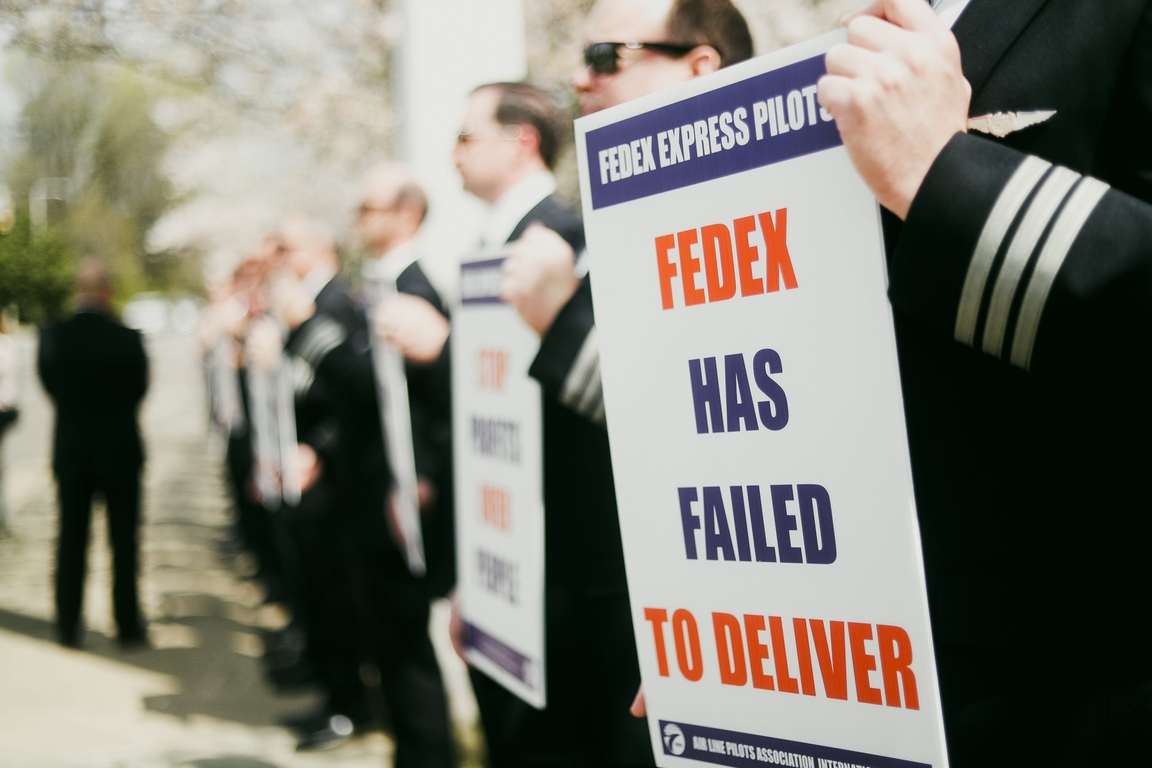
(315, 338)
(959, 219)
(561, 345)
(986, 241)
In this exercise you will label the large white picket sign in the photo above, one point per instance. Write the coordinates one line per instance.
(758, 441)
(499, 483)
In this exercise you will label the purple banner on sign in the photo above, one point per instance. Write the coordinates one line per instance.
(745, 750)
(511, 661)
(756, 122)
(480, 281)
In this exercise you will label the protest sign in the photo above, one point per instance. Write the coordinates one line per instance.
(754, 408)
(499, 484)
(396, 424)
(396, 420)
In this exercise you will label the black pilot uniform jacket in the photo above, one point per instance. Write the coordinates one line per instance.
(393, 604)
(1021, 284)
(335, 344)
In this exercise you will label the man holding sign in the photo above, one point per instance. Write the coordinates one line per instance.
(635, 47)
(758, 442)
(391, 594)
(1013, 157)
(583, 655)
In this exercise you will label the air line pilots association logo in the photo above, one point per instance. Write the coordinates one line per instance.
(674, 739)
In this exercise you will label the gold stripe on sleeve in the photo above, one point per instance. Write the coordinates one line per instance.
(1011, 198)
(1036, 219)
(1064, 233)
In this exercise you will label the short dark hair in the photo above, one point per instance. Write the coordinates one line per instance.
(522, 103)
(717, 23)
(412, 194)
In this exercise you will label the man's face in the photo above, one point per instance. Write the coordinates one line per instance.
(377, 222)
(296, 256)
(639, 71)
(294, 251)
(486, 151)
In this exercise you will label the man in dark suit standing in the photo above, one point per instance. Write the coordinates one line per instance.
(668, 42)
(388, 222)
(313, 534)
(508, 143)
(341, 360)
(96, 373)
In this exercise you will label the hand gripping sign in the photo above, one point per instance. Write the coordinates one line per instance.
(758, 442)
(499, 483)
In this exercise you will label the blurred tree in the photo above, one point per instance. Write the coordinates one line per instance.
(272, 105)
(35, 272)
(91, 123)
(281, 104)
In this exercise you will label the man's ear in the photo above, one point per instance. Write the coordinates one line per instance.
(412, 216)
(529, 140)
(703, 60)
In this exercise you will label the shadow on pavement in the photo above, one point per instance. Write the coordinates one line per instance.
(37, 629)
(215, 679)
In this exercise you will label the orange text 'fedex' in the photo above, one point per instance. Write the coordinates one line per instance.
(730, 260)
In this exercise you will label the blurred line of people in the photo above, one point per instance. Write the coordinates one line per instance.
(293, 358)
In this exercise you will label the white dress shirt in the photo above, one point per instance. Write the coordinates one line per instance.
(949, 10)
(318, 277)
(392, 264)
(513, 206)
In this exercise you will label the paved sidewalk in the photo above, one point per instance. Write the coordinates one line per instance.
(197, 698)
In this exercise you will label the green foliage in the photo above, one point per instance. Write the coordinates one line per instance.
(91, 122)
(35, 272)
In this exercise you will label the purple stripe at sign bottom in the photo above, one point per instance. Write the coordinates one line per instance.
(510, 660)
(480, 281)
(744, 750)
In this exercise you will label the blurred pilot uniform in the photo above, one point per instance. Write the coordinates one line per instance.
(397, 603)
(318, 533)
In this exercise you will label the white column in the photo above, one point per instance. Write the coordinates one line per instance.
(445, 49)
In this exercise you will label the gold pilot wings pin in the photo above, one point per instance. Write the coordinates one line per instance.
(1000, 124)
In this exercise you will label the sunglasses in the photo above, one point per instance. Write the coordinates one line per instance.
(604, 58)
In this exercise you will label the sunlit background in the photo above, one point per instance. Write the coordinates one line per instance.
(165, 136)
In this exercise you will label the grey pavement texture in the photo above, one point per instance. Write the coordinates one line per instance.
(196, 698)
